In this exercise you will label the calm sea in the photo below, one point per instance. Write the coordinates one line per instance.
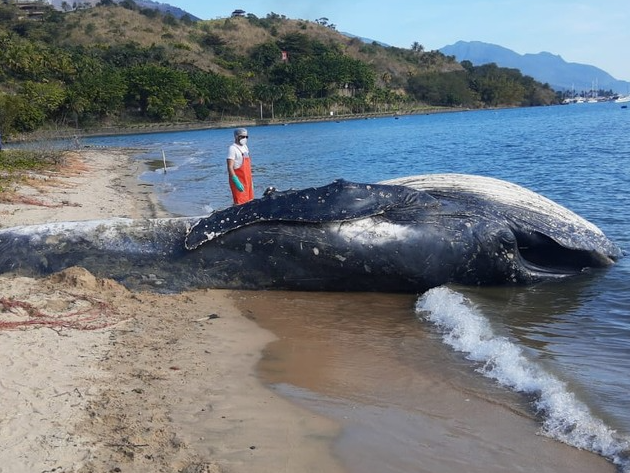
(565, 347)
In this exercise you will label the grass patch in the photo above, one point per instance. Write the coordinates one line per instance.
(18, 165)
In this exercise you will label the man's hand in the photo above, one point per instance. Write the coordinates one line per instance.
(237, 183)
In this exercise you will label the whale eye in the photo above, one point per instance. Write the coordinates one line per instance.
(506, 238)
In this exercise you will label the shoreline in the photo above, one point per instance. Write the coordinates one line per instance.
(404, 401)
(122, 381)
(148, 128)
(93, 184)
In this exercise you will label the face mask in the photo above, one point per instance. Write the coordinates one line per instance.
(242, 141)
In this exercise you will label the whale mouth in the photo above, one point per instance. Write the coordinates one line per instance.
(542, 253)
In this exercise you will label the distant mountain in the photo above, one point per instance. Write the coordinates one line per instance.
(544, 67)
(365, 40)
(162, 7)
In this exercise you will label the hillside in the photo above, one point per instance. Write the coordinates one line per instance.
(107, 27)
(121, 64)
(544, 67)
(202, 44)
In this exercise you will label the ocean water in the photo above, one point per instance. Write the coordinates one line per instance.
(563, 347)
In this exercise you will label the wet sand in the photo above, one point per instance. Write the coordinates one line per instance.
(99, 379)
(405, 403)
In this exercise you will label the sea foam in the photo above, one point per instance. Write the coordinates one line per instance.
(565, 418)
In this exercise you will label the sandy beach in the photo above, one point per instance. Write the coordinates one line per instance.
(100, 379)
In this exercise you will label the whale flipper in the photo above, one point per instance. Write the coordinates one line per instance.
(339, 201)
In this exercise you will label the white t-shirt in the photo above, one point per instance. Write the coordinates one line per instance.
(236, 152)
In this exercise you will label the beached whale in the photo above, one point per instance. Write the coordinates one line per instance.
(404, 235)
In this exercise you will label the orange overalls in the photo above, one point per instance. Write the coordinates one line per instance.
(244, 174)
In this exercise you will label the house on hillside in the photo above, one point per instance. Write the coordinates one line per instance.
(71, 5)
(33, 9)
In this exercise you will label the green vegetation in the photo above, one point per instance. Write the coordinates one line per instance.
(122, 65)
(489, 85)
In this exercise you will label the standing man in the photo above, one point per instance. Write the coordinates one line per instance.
(240, 168)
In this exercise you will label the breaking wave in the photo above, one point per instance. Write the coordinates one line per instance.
(565, 418)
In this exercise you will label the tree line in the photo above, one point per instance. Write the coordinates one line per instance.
(291, 75)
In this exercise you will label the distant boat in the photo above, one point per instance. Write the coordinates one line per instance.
(622, 99)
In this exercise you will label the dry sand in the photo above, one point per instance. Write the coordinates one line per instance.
(98, 379)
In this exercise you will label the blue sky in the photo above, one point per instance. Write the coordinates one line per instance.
(594, 32)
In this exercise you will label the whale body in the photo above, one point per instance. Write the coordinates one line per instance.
(403, 235)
